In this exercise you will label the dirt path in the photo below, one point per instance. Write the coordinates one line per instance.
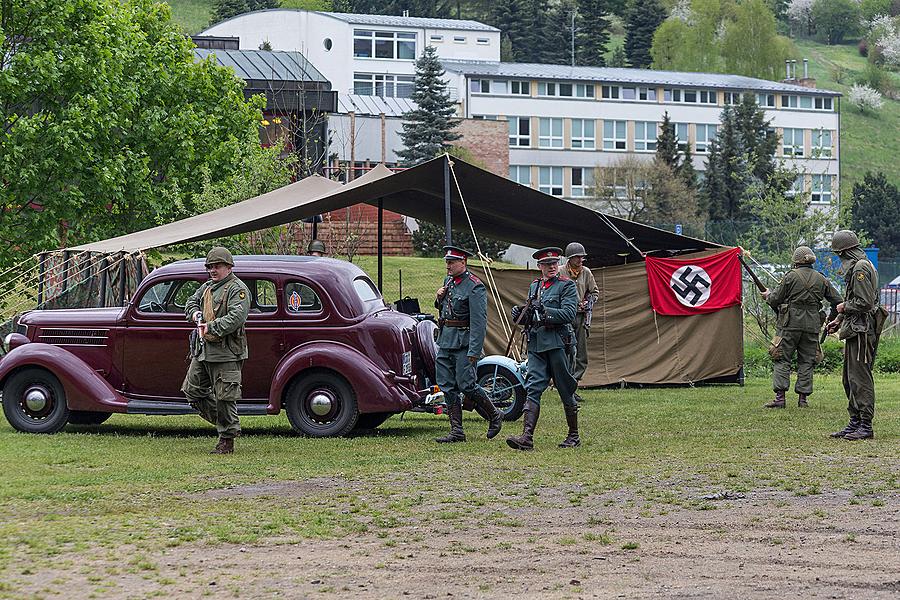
(764, 545)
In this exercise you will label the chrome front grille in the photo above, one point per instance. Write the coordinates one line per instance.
(74, 337)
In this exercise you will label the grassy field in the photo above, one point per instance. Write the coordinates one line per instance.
(131, 490)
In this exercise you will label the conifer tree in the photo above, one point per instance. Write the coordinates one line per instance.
(508, 17)
(686, 169)
(643, 17)
(728, 173)
(618, 58)
(666, 142)
(592, 38)
(758, 139)
(429, 128)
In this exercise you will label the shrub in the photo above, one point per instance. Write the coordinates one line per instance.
(863, 47)
(865, 98)
(888, 358)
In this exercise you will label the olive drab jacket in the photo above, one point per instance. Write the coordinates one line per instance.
(861, 300)
(226, 340)
(465, 300)
(798, 300)
(559, 296)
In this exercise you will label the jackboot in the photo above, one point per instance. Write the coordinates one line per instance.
(863, 432)
(526, 440)
(778, 402)
(454, 411)
(225, 446)
(802, 400)
(852, 426)
(572, 440)
(490, 413)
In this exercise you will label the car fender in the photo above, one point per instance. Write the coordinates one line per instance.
(519, 369)
(376, 389)
(85, 388)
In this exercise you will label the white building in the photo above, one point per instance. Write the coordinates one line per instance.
(563, 121)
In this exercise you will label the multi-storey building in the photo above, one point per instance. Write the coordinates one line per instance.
(562, 121)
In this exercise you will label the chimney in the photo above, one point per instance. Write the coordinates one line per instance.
(805, 68)
(787, 69)
(405, 13)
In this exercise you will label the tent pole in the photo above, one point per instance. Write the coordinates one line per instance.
(447, 234)
(380, 242)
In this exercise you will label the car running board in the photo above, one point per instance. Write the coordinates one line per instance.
(156, 407)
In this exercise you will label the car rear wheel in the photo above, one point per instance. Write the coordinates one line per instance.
(371, 420)
(87, 417)
(34, 401)
(322, 404)
(504, 389)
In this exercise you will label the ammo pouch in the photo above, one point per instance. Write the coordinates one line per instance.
(783, 316)
(854, 325)
(775, 350)
(879, 315)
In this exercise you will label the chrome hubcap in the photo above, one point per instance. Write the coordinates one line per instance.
(37, 398)
(321, 402)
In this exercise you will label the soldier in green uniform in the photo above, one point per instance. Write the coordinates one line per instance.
(213, 382)
(859, 324)
(798, 303)
(554, 301)
(462, 302)
(588, 293)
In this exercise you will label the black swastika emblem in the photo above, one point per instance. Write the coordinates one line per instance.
(691, 285)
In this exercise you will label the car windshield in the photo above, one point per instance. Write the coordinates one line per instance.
(368, 293)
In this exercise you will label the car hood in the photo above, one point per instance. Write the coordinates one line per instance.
(73, 317)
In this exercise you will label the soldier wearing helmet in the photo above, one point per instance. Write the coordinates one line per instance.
(212, 385)
(588, 293)
(316, 248)
(859, 324)
(798, 303)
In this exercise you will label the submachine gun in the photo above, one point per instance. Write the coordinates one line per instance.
(526, 318)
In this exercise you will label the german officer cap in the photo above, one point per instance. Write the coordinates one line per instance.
(219, 255)
(548, 255)
(455, 253)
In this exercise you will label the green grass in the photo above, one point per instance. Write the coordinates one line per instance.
(192, 16)
(868, 141)
(136, 482)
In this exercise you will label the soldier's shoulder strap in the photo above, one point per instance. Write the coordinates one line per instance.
(475, 279)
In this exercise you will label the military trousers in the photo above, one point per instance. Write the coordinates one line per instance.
(544, 365)
(455, 375)
(804, 345)
(859, 385)
(579, 349)
(214, 389)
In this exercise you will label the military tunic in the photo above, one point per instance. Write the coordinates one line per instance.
(798, 303)
(860, 338)
(549, 339)
(463, 313)
(213, 381)
(587, 288)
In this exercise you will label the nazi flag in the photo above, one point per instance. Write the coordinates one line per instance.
(693, 286)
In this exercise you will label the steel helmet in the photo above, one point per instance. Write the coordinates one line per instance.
(575, 249)
(316, 246)
(804, 255)
(219, 255)
(844, 240)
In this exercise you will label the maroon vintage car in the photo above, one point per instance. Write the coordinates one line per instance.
(323, 346)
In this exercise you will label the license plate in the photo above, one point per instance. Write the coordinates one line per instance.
(407, 363)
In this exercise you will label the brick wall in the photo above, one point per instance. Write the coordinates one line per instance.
(488, 141)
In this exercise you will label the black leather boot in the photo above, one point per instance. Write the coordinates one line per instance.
(852, 426)
(526, 440)
(490, 413)
(454, 411)
(778, 402)
(802, 400)
(863, 432)
(572, 440)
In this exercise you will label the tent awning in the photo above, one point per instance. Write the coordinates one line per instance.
(498, 208)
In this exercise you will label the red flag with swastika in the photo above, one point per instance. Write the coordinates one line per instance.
(694, 286)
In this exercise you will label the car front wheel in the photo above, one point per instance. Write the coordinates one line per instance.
(34, 401)
(322, 404)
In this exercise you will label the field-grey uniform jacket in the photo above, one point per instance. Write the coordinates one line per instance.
(464, 301)
(559, 297)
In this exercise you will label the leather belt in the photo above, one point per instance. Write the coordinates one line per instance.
(456, 323)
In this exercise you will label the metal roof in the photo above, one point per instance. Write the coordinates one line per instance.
(374, 105)
(395, 21)
(635, 76)
(265, 65)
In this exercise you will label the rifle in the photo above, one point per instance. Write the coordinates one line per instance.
(524, 320)
(756, 280)
(195, 341)
(588, 310)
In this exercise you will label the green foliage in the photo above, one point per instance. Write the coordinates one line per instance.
(618, 58)
(667, 142)
(592, 37)
(430, 238)
(751, 45)
(643, 19)
(887, 360)
(191, 15)
(876, 210)
(509, 18)
(757, 362)
(226, 9)
(835, 19)
(107, 121)
(869, 9)
(876, 78)
(429, 128)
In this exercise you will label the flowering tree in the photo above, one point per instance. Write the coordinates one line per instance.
(800, 12)
(865, 98)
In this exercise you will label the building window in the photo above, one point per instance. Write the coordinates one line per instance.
(796, 187)
(583, 135)
(485, 117)
(520, 88)
(792, 142)
(483, 41)
(796, 101)
(821, 143)
(436, 38)
(582, 181)
(584, 90)
(565, 90)
(499, 87)
(690, 96)
(705, 135)
(681, 136)
(647, 94)
(550, 134)
(383, 86)
(384, 44)
(732, 97)
(610, 91)
(519, 132)
(480, 86)
(520, 174)
(629, 93)
(614, 135)
(645, 133)
(823, 104)
(766, 100)
(821, 189)
(546, 88)
(550, 180)
(459, 39)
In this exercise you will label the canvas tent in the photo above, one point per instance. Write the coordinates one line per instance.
(627, 343)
